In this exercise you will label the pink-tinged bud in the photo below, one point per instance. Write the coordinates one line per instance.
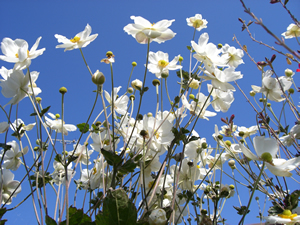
(261, 63)
(231, 118)
(273, 58)
(224, 121)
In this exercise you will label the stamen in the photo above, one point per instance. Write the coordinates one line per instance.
(75, 39)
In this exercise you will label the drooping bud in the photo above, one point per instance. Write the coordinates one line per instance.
(98, 78)
(137, 84)
(178, 157)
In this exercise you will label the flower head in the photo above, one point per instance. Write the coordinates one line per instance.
(292, 31)
(56, 125)
(142, 30)
(197, 22)
(10, 187)
(159, 63)
(80, 40)
(17, 52)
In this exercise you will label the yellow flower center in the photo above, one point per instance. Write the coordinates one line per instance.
(197, 23)
(75, 39)
(287, 214)
(94, 171)
(17, 55)
(162, 63)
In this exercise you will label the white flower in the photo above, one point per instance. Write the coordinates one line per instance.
(271, 87)
(59, 174)
(197, 22)
(101, 140)
(196, 107)
(221, 99)
(84, 181)
(158, 217)
(11, 159)
(220, 78)
(286, 218)
(16, 85)
(98, 175)
(292, 31)
(282, 167)
(159, 63)
(80, 40)
(232, 56)
(207, 52)
(83, 152)
(9, 185)
(56, 125)
(19, 122)
(137, 84)
(261, 145)
(142, 30)
(120, 103)
(3, 127)
(17, 52)
(246, 131)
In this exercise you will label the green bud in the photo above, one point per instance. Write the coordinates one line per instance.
(231, 186)
(203, 211)
(241, 133)
(191, 96)
(98, 123)
(144, 134)
(38, 99)
(204, 145)
(180, 59)
(149, 114)
(130, 90)
(139, 117)
(228, 143)
(63, 90)
(268, 104)
(36, 148)
(288, 72)
(291, 91)
(231, 163)
(252, 93)
(109, 54)
(57, 115)
(98, 78)
(220, 137)
(267, 157)
(155, 82)
(220, 46)
(133, 64)
(164, 75)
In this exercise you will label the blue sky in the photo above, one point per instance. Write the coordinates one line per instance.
(30, 19)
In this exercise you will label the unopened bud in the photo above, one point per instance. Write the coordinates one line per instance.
(137, 84)
(155, 82)
(289, 72)
(203, 211)
(291, 91)
(194, 84)
(220, 137)
(133, 64)
(231, 186)
(204, 145)
(267, 157)
(252, 93)
(109, 54)
(139, 117)
(38, 99)
(165, 75)
(57, 115)
(178, 157)
(220, 45)
(63, 90)
(149, 114)
(180, 59)
(231, 163)
(98, 78)
(130, 90)
(241, 133)
(144, 134)
(228, 143)
(190, 163)
(191, 96)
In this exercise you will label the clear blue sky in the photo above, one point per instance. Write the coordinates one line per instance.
(30, 19)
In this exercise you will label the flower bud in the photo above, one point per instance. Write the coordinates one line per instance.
(98, 123)
(288, 61)
(228, 143)
(194, 84)
(220, 137)
(241, 133)
(191, 96)
(267, 157)
(231, 163)
(109, 54)
(130, 90)
(220, 45)
(288, 73)
(38, 99)
(36, 148)
(231, 186)
(144, 134)
(180, 59)
(149, 114)
(165, 75)
(268, 104)
(262, 63)
(178, 157)
(291, 91)
(252, 93)
(132, 97)
(203, 211)
(204, 145)
(133, 64)
(137, 84)
(98, 78)
(190, 163)
(63, 90)
(57, 115)
(157, 217)
(155, 82)
(139, 117)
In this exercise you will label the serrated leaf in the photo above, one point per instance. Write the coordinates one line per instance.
(83, 127)
(77, 216)
(111, 157)
(241, 210)
(117, 209)
(127, 167)
(50, 221)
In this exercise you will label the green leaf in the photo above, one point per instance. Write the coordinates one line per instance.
(127, 167)
(50, 221)
(241, 210)
(5, 146)
(83, 127)
(286, 1)
(291, 201)
(58, 158)
(117, 209)
(42, 112)
(2, 212)
(193, 138)
(76, 216)
(111, 157)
